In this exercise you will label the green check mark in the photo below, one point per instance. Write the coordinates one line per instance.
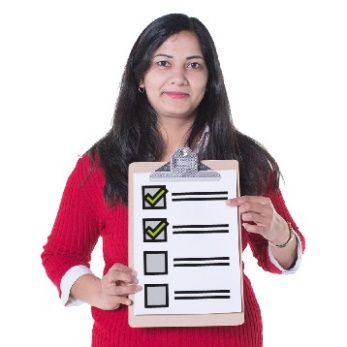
(152, 200)
(153, 233)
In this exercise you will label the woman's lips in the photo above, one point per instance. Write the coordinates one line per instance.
(177, 95)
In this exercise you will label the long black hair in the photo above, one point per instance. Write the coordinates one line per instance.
(134, 135)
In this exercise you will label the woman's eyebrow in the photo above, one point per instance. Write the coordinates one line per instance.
(195, 57)
(163, 55)
(171, 56)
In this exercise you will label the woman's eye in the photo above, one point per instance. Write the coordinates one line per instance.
(163, 63)
(194, 65)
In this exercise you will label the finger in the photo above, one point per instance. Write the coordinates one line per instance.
(235, 201)
(120, 274)
(121, 300)
(254, 217)
(124, 301)
(113, 290)
(247, 199)
(262, 209)
(115, 301)
(123, 268)
(126, 290)
(254, 228)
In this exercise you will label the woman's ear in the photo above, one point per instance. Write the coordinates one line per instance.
(141, 87)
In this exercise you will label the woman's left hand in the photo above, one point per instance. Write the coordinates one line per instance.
(259, 216)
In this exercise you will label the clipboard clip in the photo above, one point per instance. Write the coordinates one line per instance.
(184, 164)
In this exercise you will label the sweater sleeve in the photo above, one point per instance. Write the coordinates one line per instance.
(77, 225)
(259, 245)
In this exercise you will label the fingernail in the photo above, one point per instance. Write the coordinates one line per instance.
(138, 289)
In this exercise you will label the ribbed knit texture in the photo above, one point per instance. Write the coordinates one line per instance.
(83, 217)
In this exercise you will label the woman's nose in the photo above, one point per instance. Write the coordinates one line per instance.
(179, 76)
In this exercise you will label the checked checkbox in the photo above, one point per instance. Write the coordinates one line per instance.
(154, 197)
(155, 229)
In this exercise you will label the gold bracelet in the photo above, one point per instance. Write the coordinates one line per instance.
(291, 235)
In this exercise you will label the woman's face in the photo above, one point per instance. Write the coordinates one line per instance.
(176, 81)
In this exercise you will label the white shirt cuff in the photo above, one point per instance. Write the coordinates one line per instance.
(296, 266)
(68, 280)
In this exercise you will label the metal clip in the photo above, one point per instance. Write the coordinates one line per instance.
(184, 164)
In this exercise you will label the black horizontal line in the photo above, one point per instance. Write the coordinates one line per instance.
(207, 264)
(200, 193)
(200, 259)
(200, 226)
(202, 297)
(222, 231)
(199, 199)
(202, 291)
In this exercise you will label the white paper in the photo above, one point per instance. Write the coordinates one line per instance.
(186, 253)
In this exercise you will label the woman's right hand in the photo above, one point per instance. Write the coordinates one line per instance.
(109, 292)
(119, 282)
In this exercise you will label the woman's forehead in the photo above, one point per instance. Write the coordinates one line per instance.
(182, 41)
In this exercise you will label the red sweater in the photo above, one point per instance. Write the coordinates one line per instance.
(83, 217)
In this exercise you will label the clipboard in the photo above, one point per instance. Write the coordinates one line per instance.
(183, 167)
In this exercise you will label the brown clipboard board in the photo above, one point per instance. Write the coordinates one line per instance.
(181, 320)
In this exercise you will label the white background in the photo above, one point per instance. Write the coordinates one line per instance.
(285, 68)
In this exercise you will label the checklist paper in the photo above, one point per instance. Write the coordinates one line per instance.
(186, 247)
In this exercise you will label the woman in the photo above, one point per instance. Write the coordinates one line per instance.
(172, 95)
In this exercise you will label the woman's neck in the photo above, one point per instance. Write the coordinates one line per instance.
(175, 135)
